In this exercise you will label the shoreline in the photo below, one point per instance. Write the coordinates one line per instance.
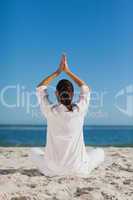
(87, 146)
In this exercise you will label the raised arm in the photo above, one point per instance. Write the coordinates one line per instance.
(49, 78)
(66, 69)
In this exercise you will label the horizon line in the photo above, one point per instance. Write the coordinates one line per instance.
(46, 125)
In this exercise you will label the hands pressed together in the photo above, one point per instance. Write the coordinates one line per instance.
(63, 65)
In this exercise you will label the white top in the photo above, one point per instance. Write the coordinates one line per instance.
(65, 151)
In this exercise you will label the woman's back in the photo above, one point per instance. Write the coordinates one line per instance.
(65, 148)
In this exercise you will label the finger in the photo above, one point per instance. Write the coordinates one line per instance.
(64, 57)
(64, 54)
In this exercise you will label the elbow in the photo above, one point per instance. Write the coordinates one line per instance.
(88, 87)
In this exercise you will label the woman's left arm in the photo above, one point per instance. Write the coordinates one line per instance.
(42, 94)
(49, 78)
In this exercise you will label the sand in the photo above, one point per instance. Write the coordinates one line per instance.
(20, 179)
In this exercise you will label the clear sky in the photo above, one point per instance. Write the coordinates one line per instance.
(97, 38)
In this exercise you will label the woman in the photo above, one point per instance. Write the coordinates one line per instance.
(65, 152)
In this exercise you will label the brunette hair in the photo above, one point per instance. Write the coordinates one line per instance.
(65, 89)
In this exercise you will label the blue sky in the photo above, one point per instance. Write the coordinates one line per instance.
(97, 38)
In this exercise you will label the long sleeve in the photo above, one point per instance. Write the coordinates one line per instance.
(43, 100)
(84, 98)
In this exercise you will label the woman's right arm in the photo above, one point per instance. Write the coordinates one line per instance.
(74, 77)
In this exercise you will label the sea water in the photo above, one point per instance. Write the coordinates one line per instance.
(35, 135)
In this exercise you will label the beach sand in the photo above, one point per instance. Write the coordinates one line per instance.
(20, 179)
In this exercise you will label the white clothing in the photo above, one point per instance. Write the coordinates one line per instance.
(65, 152)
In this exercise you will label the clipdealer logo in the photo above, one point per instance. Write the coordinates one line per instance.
(127, 95)
(23, 99)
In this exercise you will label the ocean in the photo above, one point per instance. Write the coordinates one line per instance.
(35, 136)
